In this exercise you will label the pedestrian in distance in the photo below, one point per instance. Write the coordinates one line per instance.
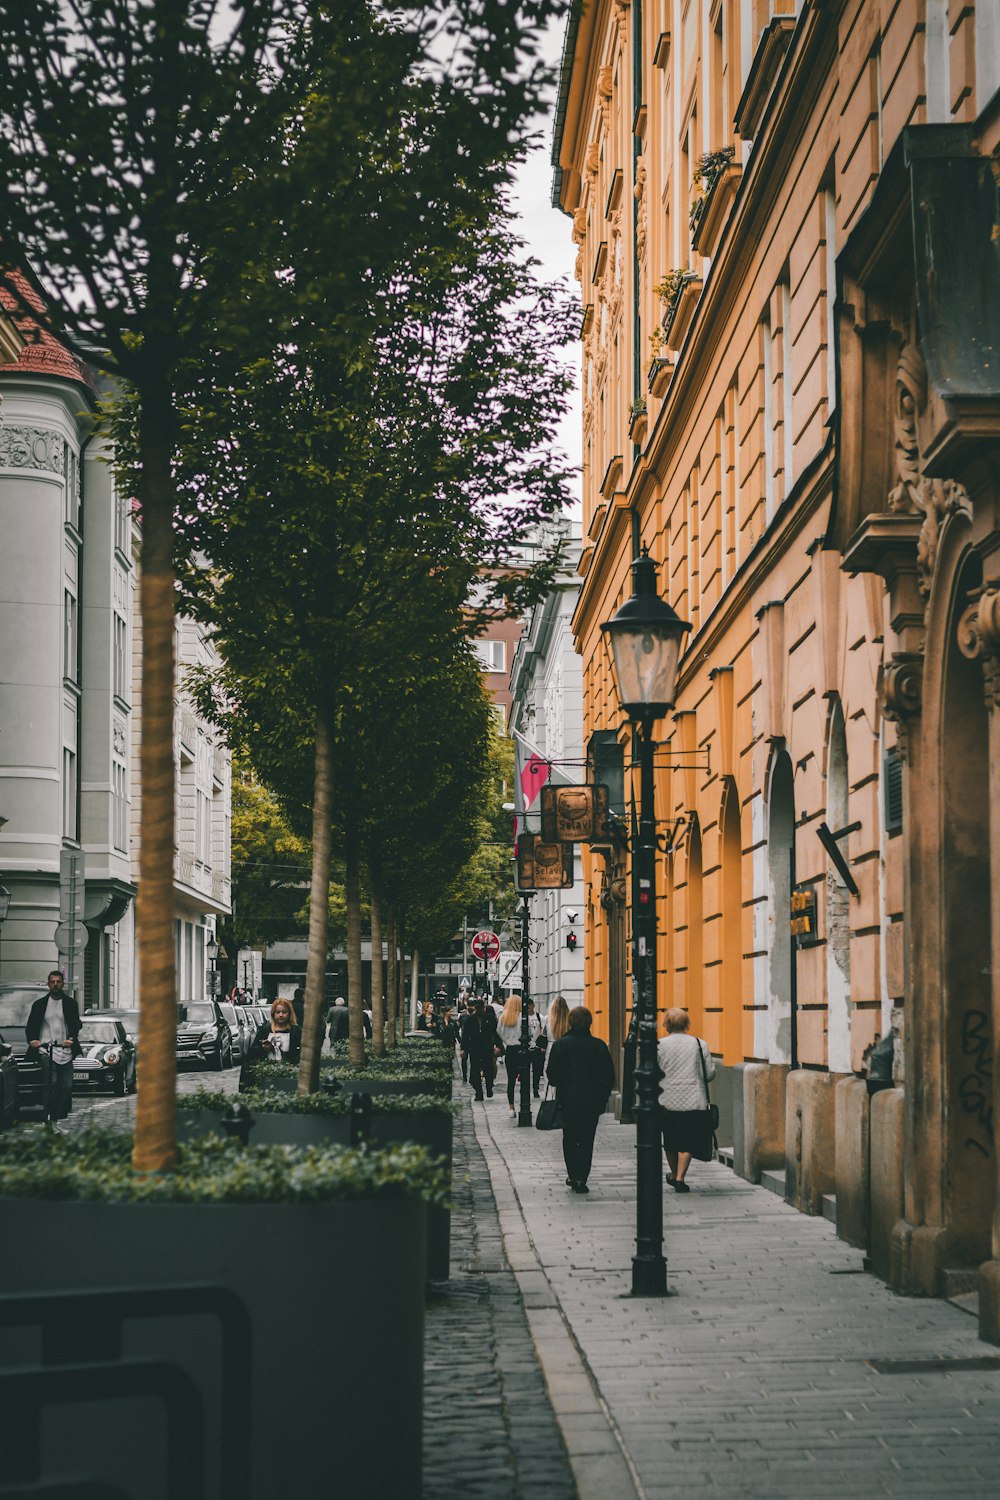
(479, 1046)
(557, 1021)
(425, 1020)
(447, 1031)
(52, 1028)
(339, 1022)
(538, 1042)
(280, 1038)
(685, 1118)
(299, 1006)
(509, 1034)
(583, 1075)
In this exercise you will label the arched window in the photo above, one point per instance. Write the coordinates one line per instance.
(732, 927)
(838, 926)
(781, 876)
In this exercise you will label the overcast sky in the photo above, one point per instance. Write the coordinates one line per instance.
(547, 232)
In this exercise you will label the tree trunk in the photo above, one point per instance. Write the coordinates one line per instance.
(319, 905)
(411, 1003)
(378, 975)
(355, 998)
(390, 982)
(155, 1146)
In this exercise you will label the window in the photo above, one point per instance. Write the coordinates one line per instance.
(121, 659)
(69, 637)
(500, 717)
(492, 655)
(787, 429)
(119, 807)
(830, 256)
(121, 524)
(203, 828)
(769, 486)
(70, 827)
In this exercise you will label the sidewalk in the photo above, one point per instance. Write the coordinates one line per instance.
(753, 1380)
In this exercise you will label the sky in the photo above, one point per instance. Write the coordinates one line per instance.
(547, 233)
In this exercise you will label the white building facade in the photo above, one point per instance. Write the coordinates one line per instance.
(69, 692)
(546, 688)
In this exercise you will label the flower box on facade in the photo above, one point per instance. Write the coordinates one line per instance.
(660, 372)
(716, 210)
(678, 317)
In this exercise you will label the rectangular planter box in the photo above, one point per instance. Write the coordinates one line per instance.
(431, 1130)
(300, 1270)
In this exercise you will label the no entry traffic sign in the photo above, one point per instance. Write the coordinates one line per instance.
(486, 945)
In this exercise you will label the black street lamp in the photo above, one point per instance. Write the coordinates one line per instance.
(646, 637)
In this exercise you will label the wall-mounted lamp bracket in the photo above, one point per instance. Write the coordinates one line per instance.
(830, 842)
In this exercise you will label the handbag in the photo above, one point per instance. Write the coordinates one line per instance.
(713, 1109)
(549, 1116)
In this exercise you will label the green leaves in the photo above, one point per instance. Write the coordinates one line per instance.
(95, 1165)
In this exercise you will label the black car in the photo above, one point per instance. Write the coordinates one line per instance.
(203, 1036)
(107, 1061)
(15, 1002)
(8, 1085)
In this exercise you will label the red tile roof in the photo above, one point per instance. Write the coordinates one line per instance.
(42, 353)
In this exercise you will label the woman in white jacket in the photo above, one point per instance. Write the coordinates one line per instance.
(685, 1116)
(509, 1034)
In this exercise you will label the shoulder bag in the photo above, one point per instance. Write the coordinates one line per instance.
(713, 1109)
(549, 1116)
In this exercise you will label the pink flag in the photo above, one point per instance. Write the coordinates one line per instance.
(534, 774)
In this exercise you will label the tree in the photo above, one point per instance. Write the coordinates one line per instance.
(150, 165)
(144, 171)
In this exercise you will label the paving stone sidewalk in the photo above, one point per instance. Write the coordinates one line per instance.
(753, 1381)
(489, 1428)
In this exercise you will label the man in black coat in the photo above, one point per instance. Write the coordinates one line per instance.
(478, 1040)
(52, 1029)
(583, 1075)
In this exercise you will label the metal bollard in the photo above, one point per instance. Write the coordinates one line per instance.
(361, 1118)
(238, 1122)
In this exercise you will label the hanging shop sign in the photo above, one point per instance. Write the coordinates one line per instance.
(543, 866)
(574, 814)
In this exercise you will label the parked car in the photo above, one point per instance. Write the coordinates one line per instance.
(15, 1002)
(128, 1018)
(8, 1085)
(108, 1060)
(249, 1024)
(203, 1035)
(236, 1020)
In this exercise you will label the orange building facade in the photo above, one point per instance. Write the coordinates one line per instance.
(782, 214)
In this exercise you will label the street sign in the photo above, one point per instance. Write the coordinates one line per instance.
(509, 971)
(486, 944)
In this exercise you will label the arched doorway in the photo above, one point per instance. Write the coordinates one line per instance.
(838, 925)
(782, 1044)
(732, 926)
(965, 961)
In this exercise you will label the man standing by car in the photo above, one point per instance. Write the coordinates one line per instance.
(54, 1020)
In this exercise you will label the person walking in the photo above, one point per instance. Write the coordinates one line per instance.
(447, 1031)
(509, 1034)
(581, 1070)
(688, 1067)
(557, 1021)
(479, 1043)
(279, 1039)
(538, 1042)
(339, 1022)
(52, 1028)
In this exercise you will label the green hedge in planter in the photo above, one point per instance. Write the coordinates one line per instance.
(369, 1079)
(274, 1101)
(314, 1221)
(95, 1166)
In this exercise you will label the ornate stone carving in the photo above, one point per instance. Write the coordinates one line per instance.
(621, 21)
(579, 226)
(934, 499)
(901, 692)
(641, 219)
(978, 636)
(592, 160)
(605, 83)
(31, 448)
(118, 736)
